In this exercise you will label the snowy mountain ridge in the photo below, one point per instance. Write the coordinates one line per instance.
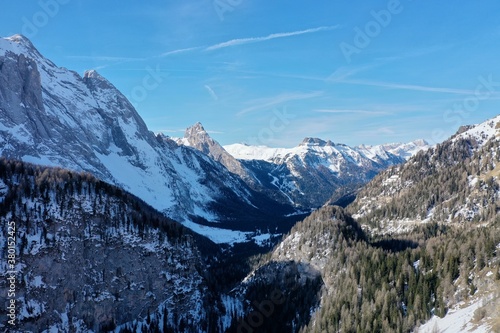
(311, 173)
(481, 132)
(456, 181)
(375, 153)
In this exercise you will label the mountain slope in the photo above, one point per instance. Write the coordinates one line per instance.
(455, 182)
(197, 137)
(91, 256)
(391, 284)
(52, 116)
(445, 268)
(309, 174)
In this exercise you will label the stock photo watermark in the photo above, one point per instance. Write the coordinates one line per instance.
(372, 29)
(263, 310)
(463, 109)
(48, 10)
(150, 81)
(223, 6)
(11, 307)
(277, 123)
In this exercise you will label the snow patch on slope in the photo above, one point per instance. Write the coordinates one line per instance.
(482, 132)
(457, 320)
(218, 235)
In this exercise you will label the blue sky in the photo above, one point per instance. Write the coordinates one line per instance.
(274, 72)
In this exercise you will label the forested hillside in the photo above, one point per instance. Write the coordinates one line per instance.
(93, 257)
(455, 182)
(422, 242)
(394, 285)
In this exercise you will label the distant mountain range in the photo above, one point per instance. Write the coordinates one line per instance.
(305, 176)
(308, 175)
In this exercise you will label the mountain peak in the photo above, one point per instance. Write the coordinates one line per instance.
(420, 142)
(316, 142)
(92, 74)
(20, 39)
(198, 127)
(19, 44)
(196, 133)
(480, 132)
(95, 80)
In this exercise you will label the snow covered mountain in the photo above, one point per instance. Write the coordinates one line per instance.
(197, 137)
(52, 116)
(457, 181)
(247, 152)
(309, 174)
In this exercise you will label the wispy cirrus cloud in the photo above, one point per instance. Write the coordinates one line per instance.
(185, 50)
(255, 74)
(168, 130)
(211, 92)
(267, 103)
(345, 72)
(349, 111)
(375, 133)
(242, 41)
(230, 43)
(402, 86)
(104, 58)
(105, 61)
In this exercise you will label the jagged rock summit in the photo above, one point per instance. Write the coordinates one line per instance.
(311, 142)
(196, 136)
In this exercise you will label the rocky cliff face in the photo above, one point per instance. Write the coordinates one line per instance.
(198, 138)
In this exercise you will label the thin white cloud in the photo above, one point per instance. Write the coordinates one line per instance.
(375, 134)
(281, 75)
(241, 41)
(401, 86)
(385, 130)
(211, 92)
(268, 103)
(189, 49)
(344, 72)
(98, 68)
(366, 112)
(103, 58)
(181, 130)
